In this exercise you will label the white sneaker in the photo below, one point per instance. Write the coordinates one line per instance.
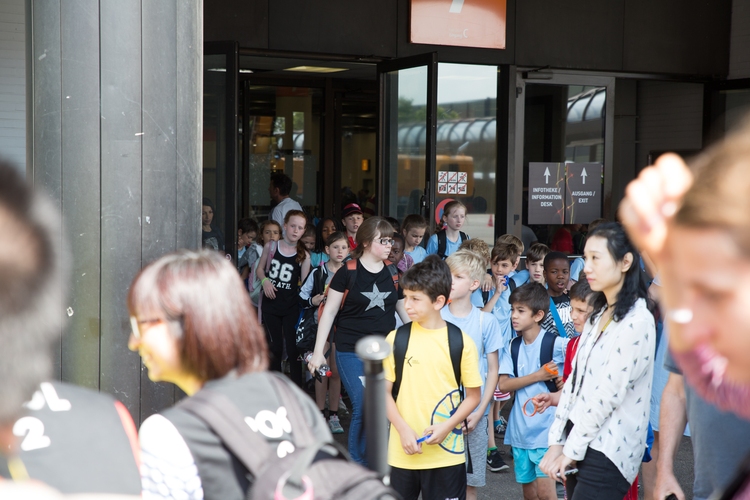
(335, 425)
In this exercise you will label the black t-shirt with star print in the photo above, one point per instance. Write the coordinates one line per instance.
(370, 306)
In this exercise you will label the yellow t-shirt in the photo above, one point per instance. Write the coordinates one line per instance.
(428, 395)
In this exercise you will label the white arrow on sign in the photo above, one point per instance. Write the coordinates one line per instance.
(583, 175)
(456, 6)
(546, 175)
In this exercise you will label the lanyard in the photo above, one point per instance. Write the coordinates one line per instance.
(575, 372)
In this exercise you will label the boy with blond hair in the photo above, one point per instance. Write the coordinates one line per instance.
(424, 374)
(467, 270)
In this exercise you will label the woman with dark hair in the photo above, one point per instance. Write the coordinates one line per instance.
(601, 421)
(370, 308)
(193, 325)
(212, 238)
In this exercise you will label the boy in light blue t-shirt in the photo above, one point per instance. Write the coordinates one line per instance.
(527, 434)
(467, 271)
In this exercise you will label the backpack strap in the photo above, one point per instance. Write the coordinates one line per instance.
(462, 236)
(556, 317)
(546, 354)
(456, 349)
(512, 285)
(515, 346)
(400, 344)
(393, 269)
(442, 243)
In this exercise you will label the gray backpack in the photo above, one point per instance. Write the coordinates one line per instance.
(316, 470)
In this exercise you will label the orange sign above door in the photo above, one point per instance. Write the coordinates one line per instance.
(464, 23)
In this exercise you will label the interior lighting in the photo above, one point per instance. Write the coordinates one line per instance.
(315, 69)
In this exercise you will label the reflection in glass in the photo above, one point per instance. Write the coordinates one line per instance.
(562, 123)
(284, 136)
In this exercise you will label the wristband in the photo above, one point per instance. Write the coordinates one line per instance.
(263, 280)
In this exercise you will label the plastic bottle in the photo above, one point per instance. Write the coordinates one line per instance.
(322, 371)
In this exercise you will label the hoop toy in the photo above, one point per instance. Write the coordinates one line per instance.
(551, 371)
(536, 408)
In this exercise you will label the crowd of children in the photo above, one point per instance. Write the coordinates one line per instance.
(517, 335)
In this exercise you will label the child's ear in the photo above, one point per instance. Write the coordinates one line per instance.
(439, 302)
(474, 285)
(538, 316)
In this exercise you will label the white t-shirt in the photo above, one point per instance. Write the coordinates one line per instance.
(279, 211)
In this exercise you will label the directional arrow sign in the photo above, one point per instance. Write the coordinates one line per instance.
(546, 192)
(583, 201)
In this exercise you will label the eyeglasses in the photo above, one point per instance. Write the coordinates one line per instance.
(386, 241)
(135, 325)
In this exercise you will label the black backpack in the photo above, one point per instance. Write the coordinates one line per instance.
(442, 240)
(455, 348)
(546, 352)
(319, 468)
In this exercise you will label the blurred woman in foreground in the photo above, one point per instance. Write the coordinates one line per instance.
(193, 325)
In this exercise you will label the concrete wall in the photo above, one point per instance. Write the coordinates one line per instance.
(13, 82)
(670, 118)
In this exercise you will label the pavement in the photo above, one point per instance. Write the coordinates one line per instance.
(503, 486)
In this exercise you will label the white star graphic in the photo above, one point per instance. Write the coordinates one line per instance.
(376, 298)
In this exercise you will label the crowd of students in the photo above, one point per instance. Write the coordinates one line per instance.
(520, 329)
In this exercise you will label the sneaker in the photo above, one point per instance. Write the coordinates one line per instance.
(500, 428)
(335, 425)
(495, 462)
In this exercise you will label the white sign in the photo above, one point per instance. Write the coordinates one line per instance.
(450, 182)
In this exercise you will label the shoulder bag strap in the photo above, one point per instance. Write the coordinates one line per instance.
(400, 344)
(556, 317)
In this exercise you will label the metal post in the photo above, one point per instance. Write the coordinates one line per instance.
(372, 351)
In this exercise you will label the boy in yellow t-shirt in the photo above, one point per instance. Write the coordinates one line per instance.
(426, 446)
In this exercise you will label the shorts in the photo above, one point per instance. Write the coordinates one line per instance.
(442, 483)
(501, 396)
(476, 445)
(526, 464)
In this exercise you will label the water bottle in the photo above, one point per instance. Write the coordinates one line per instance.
(322, 371)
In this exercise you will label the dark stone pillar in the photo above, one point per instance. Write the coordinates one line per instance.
(114, 129)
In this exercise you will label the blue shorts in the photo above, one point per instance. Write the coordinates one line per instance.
(526, 464)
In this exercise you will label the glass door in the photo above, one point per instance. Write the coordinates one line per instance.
(220, 127)
(562, 174)
(408, 96)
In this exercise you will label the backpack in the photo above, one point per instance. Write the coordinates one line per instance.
(455, 348)
(307, 328)
(546, 353)
(351, 278)
(442, 241)
(315, 469)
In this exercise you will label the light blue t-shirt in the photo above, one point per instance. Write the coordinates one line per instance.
(418, 254)
(529, 432)
(501, 312)
(576, 268)
(484, 330)
(317, 258)
(450, 246)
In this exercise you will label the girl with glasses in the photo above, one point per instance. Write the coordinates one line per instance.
(362, 300)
